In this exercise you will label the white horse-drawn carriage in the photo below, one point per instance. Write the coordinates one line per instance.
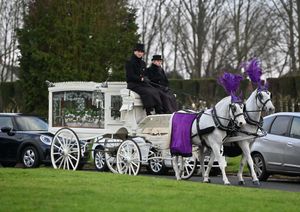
(109, 121)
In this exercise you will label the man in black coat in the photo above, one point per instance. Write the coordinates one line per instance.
(158, 78)
(137, 82)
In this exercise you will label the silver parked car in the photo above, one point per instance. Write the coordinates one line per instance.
(279, 151)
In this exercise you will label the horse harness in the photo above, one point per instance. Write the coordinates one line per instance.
(230, 128)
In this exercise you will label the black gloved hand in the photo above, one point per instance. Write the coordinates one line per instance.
(147, 80)
(166, 89)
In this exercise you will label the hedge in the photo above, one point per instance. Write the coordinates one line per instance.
(285, 90)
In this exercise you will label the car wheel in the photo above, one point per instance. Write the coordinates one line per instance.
(30, 157)
(8, 164)
(260, 167)
(99, 160)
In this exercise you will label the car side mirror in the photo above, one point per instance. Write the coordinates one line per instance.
(7, 130)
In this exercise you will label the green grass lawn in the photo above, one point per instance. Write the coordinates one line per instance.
(233, 165)
(46, 189)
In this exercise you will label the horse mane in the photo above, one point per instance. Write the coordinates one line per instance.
(222, 104)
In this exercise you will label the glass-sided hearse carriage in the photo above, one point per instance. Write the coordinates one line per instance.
(109, 121)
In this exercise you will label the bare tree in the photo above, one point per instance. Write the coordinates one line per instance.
(153, 18)
(200, 38)
(287, 12)
(11, 12)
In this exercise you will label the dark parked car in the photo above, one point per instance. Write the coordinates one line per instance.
(25, 139)
(279, 151)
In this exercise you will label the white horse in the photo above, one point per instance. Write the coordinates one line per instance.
(257, 102)
(219, 117)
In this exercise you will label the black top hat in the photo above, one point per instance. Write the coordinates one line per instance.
(156, 57)
(139, 47)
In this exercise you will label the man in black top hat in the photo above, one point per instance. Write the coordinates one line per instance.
(137, 82)
(158, 79)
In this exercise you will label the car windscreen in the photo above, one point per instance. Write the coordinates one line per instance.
(31, 123)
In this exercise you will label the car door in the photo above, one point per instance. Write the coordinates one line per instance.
(292, 150)
(276, 140)
(8, 142)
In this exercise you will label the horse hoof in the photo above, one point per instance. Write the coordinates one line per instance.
(207, 181)
(257, 183)
(227, 183)
(242, 183)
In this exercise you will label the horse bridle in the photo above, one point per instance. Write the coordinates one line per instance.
(232, 107)
(218, 123)
(259, 98)
(252, 122)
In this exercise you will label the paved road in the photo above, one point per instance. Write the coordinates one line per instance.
(277, 182)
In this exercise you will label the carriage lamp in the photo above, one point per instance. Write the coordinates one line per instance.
(46, 139)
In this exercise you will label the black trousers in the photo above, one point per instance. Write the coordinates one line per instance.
(151, 97)
(169, 101)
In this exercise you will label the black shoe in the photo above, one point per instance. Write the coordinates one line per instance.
(148, 111)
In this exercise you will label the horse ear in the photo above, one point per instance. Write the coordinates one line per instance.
(233, 108)
(260, 96)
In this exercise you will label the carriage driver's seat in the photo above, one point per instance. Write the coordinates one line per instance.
(132, 109)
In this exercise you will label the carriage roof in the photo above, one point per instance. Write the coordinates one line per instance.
(85, 86)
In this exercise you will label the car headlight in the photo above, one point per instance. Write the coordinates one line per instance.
(46, 139)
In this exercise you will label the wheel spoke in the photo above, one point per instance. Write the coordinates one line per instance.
(72, 145)
(187, 170)
(134, 170)
(56, 153)
(129, 169)
(123, 156)
(58, 147)
(58, 159)
(67, 161)
(136, 165)
(71, 163)
(73, 152)
(73, 157)
(60, 142)
(61, 163)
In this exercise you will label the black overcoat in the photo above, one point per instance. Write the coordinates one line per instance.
(157, 76)
(135, 72)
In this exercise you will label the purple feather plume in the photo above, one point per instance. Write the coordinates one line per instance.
(231, 83)
(253, 70)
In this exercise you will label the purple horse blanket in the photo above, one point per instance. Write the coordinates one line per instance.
(181, 141)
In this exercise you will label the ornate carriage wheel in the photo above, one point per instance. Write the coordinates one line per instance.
(189, 168)
(129, 158)
(111, 161)
(110, 152)
(65, 150)
(99, 159)
(156, 163)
